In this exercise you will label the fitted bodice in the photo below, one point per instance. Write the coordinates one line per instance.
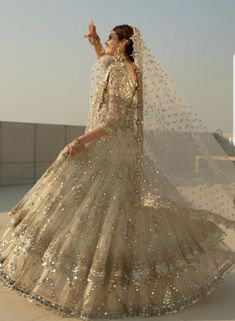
(125, 100)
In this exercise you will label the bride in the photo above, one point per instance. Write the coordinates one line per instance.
(131, 217)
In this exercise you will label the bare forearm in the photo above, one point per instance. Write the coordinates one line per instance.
(95, 40)
(92, 135)
(99, 49)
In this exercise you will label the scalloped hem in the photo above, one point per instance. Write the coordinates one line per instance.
(145, 311)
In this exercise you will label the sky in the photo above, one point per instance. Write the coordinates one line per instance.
(46, 60)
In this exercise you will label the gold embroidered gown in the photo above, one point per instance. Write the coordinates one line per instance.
(79, 244)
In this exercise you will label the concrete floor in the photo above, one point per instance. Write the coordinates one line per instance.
(219, 305)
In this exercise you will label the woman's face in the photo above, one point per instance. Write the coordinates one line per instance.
(111, 43)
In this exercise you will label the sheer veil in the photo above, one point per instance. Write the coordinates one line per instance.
(180, 160)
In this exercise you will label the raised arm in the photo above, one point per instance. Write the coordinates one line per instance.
(94, 39)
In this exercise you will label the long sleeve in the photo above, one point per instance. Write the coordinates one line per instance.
(117, 100)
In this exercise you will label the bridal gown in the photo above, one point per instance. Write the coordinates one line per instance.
(79, 242)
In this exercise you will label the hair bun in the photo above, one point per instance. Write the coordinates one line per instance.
(126, 32)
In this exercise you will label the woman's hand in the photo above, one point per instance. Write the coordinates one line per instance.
(84, 141)
(72, 148)
(92, 34)
(95, 40)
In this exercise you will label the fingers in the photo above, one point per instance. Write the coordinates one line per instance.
(91, 28)
(93, 25)
(70, 150)
(67, 151)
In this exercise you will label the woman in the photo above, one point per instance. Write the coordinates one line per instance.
(108, 230)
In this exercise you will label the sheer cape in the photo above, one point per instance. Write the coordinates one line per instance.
(174, 144)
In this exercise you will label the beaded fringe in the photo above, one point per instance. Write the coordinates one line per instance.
(145, 311)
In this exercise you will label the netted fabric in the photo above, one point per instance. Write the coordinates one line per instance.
(124, 227)
(177, 146)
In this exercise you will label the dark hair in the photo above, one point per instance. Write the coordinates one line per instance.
(125, 32)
